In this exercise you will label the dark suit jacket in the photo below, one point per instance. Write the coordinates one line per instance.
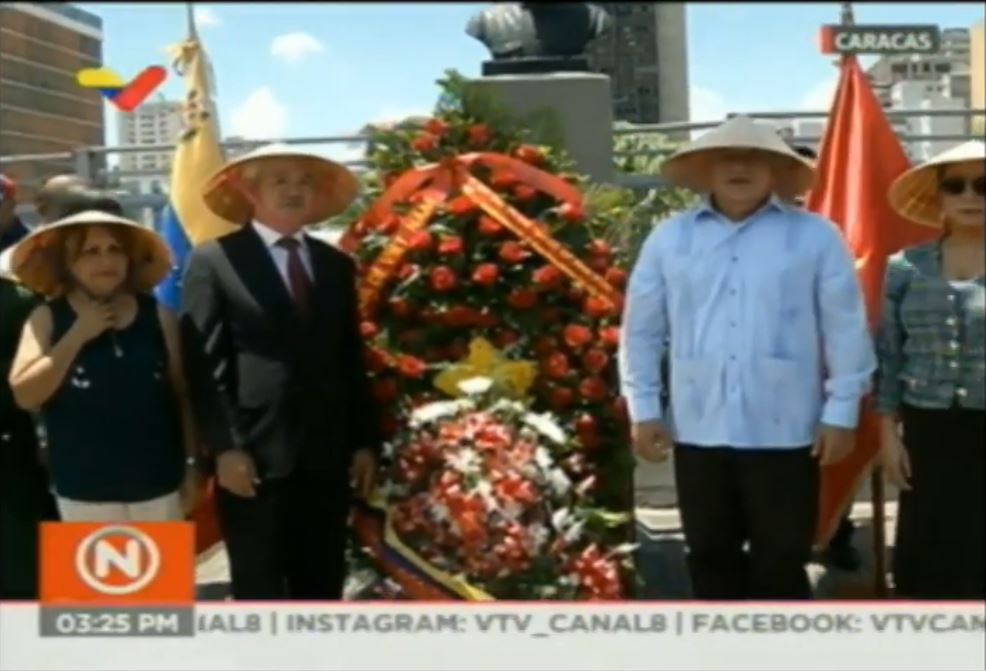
(293, 394)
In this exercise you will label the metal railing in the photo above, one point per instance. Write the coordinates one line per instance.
(85, 159)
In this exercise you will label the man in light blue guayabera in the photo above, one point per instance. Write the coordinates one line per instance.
(769, 358)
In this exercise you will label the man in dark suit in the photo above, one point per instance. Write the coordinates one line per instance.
(275, 365)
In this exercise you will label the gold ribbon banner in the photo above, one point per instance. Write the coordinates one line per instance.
(528, 231)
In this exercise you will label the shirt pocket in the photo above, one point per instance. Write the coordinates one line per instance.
(696, 389)
(783, 395)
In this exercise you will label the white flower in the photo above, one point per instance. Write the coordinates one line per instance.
(538, 535)
(440, 512)
(465, 461)
(559, 482)
(546, 426)
(542, 457)
(560, 518)
(437, 410)
(485, 490)
(475, 386)
(574, 532)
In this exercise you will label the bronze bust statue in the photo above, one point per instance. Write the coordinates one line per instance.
(528, 37)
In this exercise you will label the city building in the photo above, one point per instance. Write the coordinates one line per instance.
(922, 95)
(977, 61)
(156, 122)
(43, 110)
(645, 55)
(949, 68)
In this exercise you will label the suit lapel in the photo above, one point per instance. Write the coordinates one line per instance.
(258, 272)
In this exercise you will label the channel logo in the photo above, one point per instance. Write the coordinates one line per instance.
(125, 96)
(97, 563)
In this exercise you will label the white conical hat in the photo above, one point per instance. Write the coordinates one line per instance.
(34, 260)
(335, 189)
(689, 166)
(914, 195)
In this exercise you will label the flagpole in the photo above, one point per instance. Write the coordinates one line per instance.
(877, 495)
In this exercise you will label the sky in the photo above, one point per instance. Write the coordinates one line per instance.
(286, 69)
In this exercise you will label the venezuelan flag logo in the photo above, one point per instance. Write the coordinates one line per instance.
(124, 96)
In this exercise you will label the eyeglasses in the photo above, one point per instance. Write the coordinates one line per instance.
(955, 186)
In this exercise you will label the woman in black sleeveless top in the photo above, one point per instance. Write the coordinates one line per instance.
(101, 362)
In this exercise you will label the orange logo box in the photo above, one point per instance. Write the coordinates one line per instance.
(117, 563)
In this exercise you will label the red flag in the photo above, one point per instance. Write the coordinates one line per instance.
(859, 158)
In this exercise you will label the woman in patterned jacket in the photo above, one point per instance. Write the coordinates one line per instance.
(930, 382)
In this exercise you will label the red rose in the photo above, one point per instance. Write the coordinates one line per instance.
(489, 226)
(599, 247)
(525, 193)
(399, 307)
(505, 338)
(556, 365)
(543, 345)
(585, 424)
(487, 319)
(512, 252)
(593, 389)
(571, 213)
(385, 390)
(375, 360)
(560, 398)
(442, 278)
(368, 329)
(618, 408)
(410, 366)
(461, 205)
(529, 154)
(460, 315)
(597, 307)
(522, 299)
(610, 336)
(389, 224)
(577, 336)
(595, 360)
(436, 126)
(616, 277)
(600, 264)
(479, 135)
(389, 425)
(420, 240)
(424, 142)
(450, 245)
(590, 441)
(407, 270)
(546, 276)
(503, 179)
(485, 274)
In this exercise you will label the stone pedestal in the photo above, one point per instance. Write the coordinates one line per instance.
(579, 102)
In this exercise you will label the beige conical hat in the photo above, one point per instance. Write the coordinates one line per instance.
(34, 260)
(914, 195)
(336, 187)
(689, 166)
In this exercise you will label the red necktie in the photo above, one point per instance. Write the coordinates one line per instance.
(297, 275)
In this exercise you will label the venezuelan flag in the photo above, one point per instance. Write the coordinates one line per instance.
(186, 220)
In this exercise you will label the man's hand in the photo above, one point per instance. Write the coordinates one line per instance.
(236, 472)
(363, 474)
(833, 444)
(651, 441)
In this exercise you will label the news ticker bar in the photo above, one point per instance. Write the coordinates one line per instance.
(535, 622)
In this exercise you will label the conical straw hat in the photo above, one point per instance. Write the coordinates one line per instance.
(335, 186)
(34, 260)
(689, 167)
(914, 195)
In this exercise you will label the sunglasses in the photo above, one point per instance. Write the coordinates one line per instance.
(955, 186)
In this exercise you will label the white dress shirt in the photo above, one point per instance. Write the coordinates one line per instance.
(280, 254)
(766, 325)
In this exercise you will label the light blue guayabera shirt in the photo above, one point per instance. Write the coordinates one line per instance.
(766, 324)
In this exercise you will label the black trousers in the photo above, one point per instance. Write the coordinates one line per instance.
(938, 553)
(766, 499)
(289, 542)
